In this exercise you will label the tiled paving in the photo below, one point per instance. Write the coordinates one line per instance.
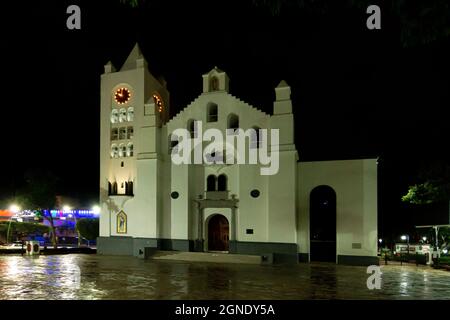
(113, 277)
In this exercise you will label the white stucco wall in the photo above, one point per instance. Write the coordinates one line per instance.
(355, 184)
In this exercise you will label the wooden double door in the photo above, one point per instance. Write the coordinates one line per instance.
(218, 233)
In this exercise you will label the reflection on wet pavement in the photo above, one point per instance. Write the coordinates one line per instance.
(114, 277)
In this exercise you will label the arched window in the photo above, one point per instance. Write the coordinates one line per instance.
(109, 188)
(129, 188)
(130, 114)
(114, 134)
(114, 188)
(222, 182)
(122, 150)
(211, 183)
(122, 133)
(191, 128)
(212, 112)
(114, 151)
(122, 115)
(114, 116)
(214, 84)
(233, 122)
(255, 142)
(130, 133)
(130, 150)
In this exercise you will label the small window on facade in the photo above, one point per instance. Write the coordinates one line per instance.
(255, 193)
(122, 115)
(114, 134)
(122, 133)
(130, 114)
(130, 150)
(129, 188)
(130, 133)
(233, 122)
(211, 183)
(114, 188)
(114, 116)
(122, 150)
(212, 112)
(222, 182)
(214, 84)
(114, 151)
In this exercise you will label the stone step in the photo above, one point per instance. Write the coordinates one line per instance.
(217, 257)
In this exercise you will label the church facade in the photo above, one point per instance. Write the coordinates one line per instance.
(306, 211)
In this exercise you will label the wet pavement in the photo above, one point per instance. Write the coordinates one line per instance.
(78, 276)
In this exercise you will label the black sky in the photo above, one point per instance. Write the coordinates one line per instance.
(356, 93)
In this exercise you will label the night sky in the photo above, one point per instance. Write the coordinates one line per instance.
(356, 92)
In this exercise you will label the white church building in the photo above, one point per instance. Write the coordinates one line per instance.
(306, 211)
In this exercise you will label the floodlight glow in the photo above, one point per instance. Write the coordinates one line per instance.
(14, 208)
(96, 209)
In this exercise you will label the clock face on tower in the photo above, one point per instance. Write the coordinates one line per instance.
(122, 95)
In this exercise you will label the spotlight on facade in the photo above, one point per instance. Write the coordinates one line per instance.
(66, 209)
(424, 238)
(380, 240)
(96, 209)
(403, 238)
(14, 208)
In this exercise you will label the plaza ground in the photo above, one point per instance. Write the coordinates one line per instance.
(116, 277)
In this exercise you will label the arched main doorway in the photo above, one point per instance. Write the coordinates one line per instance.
(218, 233)
(322, 222)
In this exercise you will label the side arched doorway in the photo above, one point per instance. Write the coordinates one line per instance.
(218, 233)
(322, 222)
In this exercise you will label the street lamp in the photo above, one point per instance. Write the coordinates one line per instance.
(406, 237)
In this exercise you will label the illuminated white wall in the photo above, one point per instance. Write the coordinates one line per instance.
(355, 184)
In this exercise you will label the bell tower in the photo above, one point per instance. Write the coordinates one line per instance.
(134, 106)
(215, 80)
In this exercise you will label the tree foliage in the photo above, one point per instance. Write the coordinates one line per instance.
(39, 194)
(423, 193)
(433, 186)
(88, 228)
